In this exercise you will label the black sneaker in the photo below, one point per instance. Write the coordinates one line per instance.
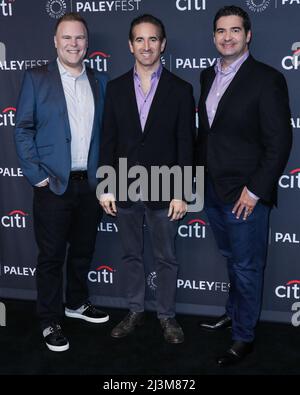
(55, 339)
(89, 313)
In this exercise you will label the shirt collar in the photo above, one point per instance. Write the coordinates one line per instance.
(64, 71)
(233, 68)
(155, 74)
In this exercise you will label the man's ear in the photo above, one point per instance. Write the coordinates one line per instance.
(130, 46)
(249, 36)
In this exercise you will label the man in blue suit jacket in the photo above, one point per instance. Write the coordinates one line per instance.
(57, 138)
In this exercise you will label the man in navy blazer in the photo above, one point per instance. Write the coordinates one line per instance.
(244, 142)
(57, 137)
(149, 120)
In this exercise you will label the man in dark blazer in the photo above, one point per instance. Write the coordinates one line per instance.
(57, 137)
(244, 142)
(149, 119)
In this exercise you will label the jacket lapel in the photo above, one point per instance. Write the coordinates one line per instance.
(94, 86)
(204, 93)
(240, 75)
(131, 102)
(60, 100)
(161, 94)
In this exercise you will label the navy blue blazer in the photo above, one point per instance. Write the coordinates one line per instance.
(42, 133)
(249, 141)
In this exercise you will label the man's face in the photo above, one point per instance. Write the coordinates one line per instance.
(230, 38)
(146, 45)
(71, 43)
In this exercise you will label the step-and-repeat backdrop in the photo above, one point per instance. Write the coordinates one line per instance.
(26, 40)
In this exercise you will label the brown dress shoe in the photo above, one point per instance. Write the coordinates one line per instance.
(173, 332)
(128, 325)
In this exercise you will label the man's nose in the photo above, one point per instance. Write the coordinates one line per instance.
(227, 35)
(146, 45)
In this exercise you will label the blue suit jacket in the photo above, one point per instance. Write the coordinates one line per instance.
(42, 133)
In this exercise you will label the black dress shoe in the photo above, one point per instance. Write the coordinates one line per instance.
(236, 353)
(173, 332)
(128, 325)
(220, 323)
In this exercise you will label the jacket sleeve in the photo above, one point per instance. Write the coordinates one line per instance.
(276, 131)
(25, 132)
(108, 136)
(186, 134)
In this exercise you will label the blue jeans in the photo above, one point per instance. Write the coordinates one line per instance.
(244, 244)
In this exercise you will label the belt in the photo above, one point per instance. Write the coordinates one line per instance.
(78, 175)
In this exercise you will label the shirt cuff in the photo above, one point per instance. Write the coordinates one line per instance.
(252, 195)
(107, 196)
(42, 183)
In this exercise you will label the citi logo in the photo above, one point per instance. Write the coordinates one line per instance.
(14, 219)
(98, 61)
(289, 291)
(194, 228)
(7, 116)
(292, 62)
(290, 181)
(6, 8)
(191, 5)
(103, 275)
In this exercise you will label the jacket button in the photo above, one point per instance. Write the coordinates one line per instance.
(67, 140)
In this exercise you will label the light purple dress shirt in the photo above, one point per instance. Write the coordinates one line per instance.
(144, 101)
(221, 82)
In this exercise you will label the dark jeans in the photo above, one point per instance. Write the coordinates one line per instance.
(64, 220)
(162, 233)
(244, 244)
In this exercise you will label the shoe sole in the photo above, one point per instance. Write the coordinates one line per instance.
(215, 330)
(58, 348)
(174, 342)
(121, 336)
(88, 319)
